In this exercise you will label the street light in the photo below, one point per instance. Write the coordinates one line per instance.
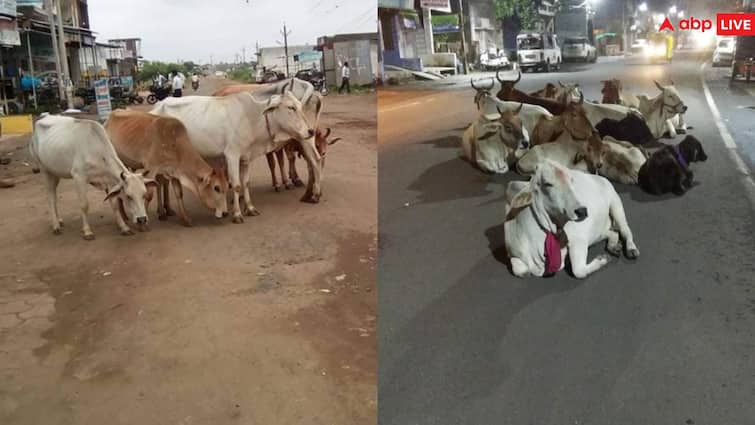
(643, 7)
(680, 14)
(672, 10)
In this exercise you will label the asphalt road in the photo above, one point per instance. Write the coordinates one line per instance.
(666, 339)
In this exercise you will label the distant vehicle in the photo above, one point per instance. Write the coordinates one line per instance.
(744, 58)
(494, 59)
(316, 78)
(538, 50)
(579, 48)
(660, 47)
(724, 53)
(220, 74)
(638, 47)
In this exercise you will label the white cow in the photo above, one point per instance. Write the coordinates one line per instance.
(495, 142)
(529, 114)
(570, 209)
(619, 161)
(239, 128)
(663, 113)
(77, 149)
(597, 112)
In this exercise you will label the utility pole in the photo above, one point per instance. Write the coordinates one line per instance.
(64, 56)
(463, 38)
(623, 27)
(58, 68)
(285, 33)
(243, 54)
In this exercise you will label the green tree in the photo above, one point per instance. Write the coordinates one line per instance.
(525, 10)
(151, 69)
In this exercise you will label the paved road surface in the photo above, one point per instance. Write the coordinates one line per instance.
(667, 339)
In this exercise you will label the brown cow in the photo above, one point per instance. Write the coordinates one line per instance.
(509, 93)
(291, 150)
(611, 91)
(162, 146)
(572, 123)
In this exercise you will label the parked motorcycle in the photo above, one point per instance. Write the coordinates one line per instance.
(156, 94)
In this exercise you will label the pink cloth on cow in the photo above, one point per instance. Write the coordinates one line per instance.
(552, 253)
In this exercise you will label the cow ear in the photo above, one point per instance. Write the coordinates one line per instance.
(123, 176)
(578, 157)
(522, 199)
(115, 192)
(660, 87)
(334, 140)
(145, 173)
(273, 103)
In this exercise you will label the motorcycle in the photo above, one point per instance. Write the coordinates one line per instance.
(156, 94)
(320, 85)
(195, 85)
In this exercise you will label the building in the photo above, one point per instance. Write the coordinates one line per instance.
(132, 59)
(401, 34)
(484, 31)
(359, 50)
(274, 58)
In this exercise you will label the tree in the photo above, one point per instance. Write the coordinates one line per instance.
(525, 10)
(151, 69)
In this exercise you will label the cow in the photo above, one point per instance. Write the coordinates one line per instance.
(563, 212)
(572, 123)
(481, 91)
(664, 113)
(489, 105)
(562, 93)
(611, 92)
(69, 148)
(509, 93)
(632, 128)
(667, 170)
(291, 150)
(240, 128)
(493, 143)
(161, 145)
(312, 104)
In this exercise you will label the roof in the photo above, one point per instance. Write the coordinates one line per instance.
(350, 37)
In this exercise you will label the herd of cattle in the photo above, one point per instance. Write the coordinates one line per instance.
(202, 143)
(572, 148)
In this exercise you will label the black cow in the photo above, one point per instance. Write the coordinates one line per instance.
(631, 128)
(667, 169)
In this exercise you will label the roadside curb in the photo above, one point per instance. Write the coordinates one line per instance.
(729, 143)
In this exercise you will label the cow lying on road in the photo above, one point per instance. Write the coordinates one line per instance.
(494, 142)
(69, 148)
(664, 113)
(161, 145)
(667, 170)
(631, 128)
(559, 212)
(240, 128)
(509, 93)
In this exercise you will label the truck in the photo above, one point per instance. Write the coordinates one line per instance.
(574, 29)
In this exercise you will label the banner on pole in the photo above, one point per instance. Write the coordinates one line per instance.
(102, 95)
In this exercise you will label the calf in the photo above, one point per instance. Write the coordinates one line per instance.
(632, 128)
(562, 212)
(69, 148)
(291, 150)
(161, 144)
(494, 144)
(509, 93)
(572, 123)
(667, 170)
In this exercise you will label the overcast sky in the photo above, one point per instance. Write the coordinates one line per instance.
(195, 29)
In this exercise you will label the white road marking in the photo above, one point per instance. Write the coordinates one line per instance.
(731, 146)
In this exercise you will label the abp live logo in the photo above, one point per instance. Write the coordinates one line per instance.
(726, 24)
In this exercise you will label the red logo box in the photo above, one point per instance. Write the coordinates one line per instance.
(735, 24)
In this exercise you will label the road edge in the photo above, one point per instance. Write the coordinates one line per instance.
(729, 143)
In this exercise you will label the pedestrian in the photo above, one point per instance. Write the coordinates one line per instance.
(195, 81)
(178, 85)
(161, 80)
(345, 75)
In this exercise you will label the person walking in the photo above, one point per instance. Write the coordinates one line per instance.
(178, 85)
(345, 75)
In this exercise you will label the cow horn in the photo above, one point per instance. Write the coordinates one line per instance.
(471, 81)
(499, 109)
(327, 132)
(519, 77)
(560, 83)
(660, 87)
(497, 76)
(521, 105)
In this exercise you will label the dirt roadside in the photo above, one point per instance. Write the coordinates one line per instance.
(268, 322)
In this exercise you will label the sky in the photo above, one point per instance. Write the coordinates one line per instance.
(193, 30)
